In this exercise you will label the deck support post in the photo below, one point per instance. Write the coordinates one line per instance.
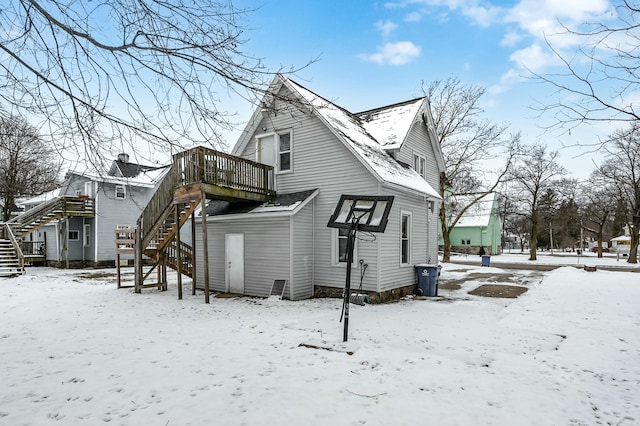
(193, 252)
(178, 251)
(205, 246)
(138, 260)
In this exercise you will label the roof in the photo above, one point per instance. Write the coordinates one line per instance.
(38, 199)
(130, 170)
(283, 204)
(145, 178)
(479, 214)
(360, 137)
(389, 125)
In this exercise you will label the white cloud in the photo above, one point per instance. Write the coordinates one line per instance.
(386, 27)
(398, 53)
(511, 38)
(413, 17)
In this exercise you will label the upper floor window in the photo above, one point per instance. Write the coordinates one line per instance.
(284, 151)
(275, 150)
(340, 246)
(420, 165)
(121, 192)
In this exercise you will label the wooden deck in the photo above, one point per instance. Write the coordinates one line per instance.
(196, 175)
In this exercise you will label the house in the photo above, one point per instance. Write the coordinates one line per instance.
(75, 225)
(318, 152)
(479, 228)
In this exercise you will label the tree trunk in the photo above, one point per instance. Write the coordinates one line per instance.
(635, 231)
(533, 238)
(446, 237)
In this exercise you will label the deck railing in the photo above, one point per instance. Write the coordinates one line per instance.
(50, 210)
(204, 165)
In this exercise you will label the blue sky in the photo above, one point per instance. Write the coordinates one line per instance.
(378, 53)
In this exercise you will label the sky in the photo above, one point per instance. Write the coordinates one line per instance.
(75, 350)
(375, 53)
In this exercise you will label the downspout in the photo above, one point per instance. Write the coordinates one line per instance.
(95, 221)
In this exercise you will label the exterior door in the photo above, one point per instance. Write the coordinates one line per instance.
(234, 260)
(266, 152)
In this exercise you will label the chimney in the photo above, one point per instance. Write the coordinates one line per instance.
(124, 158)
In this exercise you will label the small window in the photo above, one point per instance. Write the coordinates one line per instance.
(405, 239)
(121, 192)
(78, 193)
(340, 251)
(284, 151)
(88, 189)
(87, 235)
(420, 165)
(74, 235)
(463, 242)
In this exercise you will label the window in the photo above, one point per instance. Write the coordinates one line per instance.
(340, 246)
(74, 235)
(121, 193)
(78, 193)
(275, 150)
(405, 239)
(463, 242)
(284, 151)
(420, 165)
(87, 235)
(88, 188)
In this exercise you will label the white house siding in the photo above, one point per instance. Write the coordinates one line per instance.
(320, 160)
(266, 253)
(393, 274)
(301, 284)
(418, 143)
(112, 212)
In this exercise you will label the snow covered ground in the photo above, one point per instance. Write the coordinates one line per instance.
(75, 350)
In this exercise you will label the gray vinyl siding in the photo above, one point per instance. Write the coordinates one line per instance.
(110, 212)
(418, 143)
(320, 160)
(50, 237)
(266, 253)
(392, 273)
(302, 254)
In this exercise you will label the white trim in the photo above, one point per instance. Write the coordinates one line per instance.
(86, 243)
(277, 169)
(335, 247)
(69, 231)
(124, 192)
(260, 215)
(409, 214)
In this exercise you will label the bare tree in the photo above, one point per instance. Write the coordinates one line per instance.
(532, 175)
(621, 168)
(468, 141)
(28, 166)
(601, 78)
(598, 204)
(146, 75)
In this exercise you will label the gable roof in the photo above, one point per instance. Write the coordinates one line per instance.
(479, 214)
(360, 136)
(126, 169)
(146, 178)
(390, 125)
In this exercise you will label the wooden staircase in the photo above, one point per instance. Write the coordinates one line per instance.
(53, 209)
(195, 175)
(11, 258)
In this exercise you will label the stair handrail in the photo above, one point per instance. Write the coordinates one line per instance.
(156, 207)
(65, 204)
(14, 242)
(35, 212)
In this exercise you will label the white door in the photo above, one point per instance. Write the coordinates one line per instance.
(234, 257)
(266, 152)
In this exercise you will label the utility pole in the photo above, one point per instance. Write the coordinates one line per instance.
(551, 237)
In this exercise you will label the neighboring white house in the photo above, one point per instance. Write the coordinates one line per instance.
(118, 198)
(319, 152)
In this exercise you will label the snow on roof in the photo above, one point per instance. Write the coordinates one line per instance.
(621, 238)
(146, 178)
(38, 199)
(479, 214)
(390, 125)
(284, 203)
(365, 145)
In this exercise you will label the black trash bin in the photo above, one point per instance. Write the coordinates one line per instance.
(428, 279)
